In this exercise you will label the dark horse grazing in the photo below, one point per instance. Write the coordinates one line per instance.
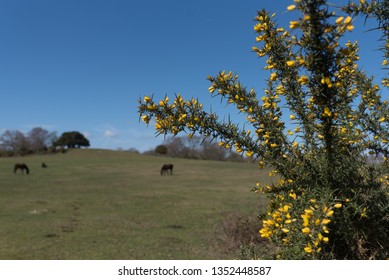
(165, 169)
(22, 167)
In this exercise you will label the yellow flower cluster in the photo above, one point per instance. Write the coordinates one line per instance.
(385, 82)
(279, 222)
(270, 102)
(384, 180)
(282, 222)
(314, 225)
(347, 57)
(165, 124)
(229, 87)
(326, 81)
(294, 24)
(265, 30)
(303, 80)
(344, 24)
(371, 97)
(327, 112)
(178, 118)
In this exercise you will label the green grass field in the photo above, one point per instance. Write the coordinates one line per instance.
(99, 204)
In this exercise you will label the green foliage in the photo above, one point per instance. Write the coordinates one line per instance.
(161, 150)
(327, 198)
(72, 139)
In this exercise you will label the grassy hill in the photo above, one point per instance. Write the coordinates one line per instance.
(100, 204)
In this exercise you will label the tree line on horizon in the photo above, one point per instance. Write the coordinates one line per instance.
(195, 147)
(39, 140)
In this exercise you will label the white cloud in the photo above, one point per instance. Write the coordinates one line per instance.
(109, 133)
(139, 137)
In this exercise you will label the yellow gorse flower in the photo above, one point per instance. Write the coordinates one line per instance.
(306, 230)
(290, 63)
(308, 249)
(339, 20)
(328, 30)
(327, 81)
(303, 80)
(348, 20)
(145, 118)
(294, 24)
(273, 76)
(327, 112)
(211, 89)
(363, 214)
(291, 7)
(182, 117)
(308, 212)
(249, 153)
(330, 213)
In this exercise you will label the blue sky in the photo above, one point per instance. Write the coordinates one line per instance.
(82, 64)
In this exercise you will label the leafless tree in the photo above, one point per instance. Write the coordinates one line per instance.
(14, 142)
(40, 139)
(195, 147)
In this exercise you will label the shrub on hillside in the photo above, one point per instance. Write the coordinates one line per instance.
(328, 201)
(161, 150)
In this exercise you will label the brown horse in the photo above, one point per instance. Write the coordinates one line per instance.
(22, 167)
(165, 169)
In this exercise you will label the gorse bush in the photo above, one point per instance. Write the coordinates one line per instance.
(314, 127)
